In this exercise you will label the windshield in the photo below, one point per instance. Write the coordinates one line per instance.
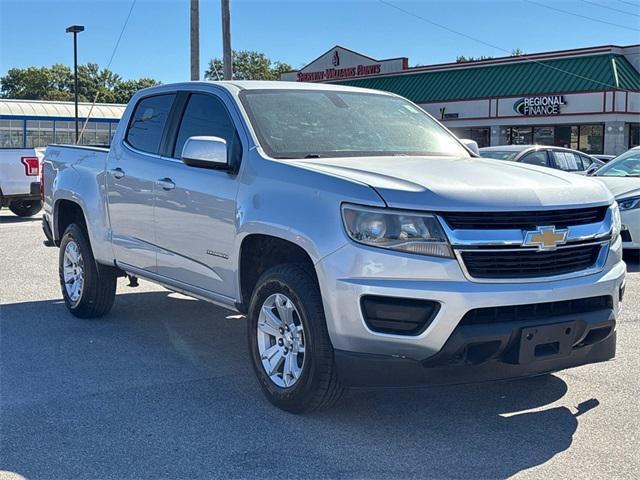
(315, 124)
(499, 154)
(626, 165)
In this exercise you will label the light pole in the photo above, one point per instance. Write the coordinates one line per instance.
(195, 39)
(75, 29)
(227, 57)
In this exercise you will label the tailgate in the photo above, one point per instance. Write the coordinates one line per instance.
(14, 179)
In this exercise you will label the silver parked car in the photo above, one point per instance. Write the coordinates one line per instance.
(622, 177)
(545, 156)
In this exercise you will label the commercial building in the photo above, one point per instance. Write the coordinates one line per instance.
(34, 123)
(587, 99)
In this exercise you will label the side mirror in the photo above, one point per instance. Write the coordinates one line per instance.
(471, 145)
(591, 170)
(205, 152)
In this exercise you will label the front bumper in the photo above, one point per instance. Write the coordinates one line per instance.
(355, 271)
(489, 352)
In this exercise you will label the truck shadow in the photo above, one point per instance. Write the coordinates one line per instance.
(162, 387)
(9, 219)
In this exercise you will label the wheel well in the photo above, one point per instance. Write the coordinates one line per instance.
(68, 212)
(258, 253)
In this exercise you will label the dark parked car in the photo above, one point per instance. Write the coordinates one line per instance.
(545, 156)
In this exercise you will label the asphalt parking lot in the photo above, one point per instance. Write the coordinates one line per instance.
(162, 388)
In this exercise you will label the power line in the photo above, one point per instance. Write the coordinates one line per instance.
(610, 8)
(582, 16)
(113, 54)
(527, 57)
(630, 3)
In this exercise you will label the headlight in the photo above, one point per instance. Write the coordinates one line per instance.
(629, 203)
(617, 223)
(411, 232)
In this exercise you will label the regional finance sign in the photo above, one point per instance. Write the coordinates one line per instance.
(545, 105)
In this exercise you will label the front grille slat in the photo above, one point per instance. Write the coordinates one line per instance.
(529, 263)
(523, 220)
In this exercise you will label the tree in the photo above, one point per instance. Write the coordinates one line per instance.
(125, 89)
(516, 52)
(56, 83)
(248, 65)
(463, 59)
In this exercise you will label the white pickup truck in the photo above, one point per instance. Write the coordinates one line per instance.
(365, 243)
(20, 180)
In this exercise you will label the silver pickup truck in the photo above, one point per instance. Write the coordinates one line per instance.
(365, 243)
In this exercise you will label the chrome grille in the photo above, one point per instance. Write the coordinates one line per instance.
(492, 246)
(527, 263)
(525, 220)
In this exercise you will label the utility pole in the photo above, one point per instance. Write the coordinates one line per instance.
(195, 39)
(75, 29)
(227, 60)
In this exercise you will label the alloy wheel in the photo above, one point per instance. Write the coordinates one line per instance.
(281, 340)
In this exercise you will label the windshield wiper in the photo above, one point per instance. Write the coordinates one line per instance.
(312, 155)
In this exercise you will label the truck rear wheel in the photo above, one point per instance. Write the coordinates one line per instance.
(87, 287)
(25, 208)
(289, 344)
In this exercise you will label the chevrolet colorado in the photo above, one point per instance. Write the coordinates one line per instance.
(364, 242)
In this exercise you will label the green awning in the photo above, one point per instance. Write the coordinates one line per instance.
(587, 73)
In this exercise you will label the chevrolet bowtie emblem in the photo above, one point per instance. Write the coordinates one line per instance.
(545, 238)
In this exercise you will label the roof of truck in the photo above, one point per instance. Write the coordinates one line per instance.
(239, 85)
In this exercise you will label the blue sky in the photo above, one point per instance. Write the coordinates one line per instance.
(156, 41)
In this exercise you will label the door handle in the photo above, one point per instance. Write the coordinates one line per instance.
(117, 172)
(166, 184)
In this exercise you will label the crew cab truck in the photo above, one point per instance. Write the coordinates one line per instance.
(20, 180)
(364, 242)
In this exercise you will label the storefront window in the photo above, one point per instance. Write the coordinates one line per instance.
(114, 126)
(566, 136)
(481, 135)
(634, 135)
(521, 135)
(102, 134)
(39, 133)
(11, 133)
(544, 135)
(88, 135)
(65, 132)
(591, 138)
(587, 138)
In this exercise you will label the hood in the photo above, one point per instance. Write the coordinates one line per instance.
(445, 183)
(621, 187)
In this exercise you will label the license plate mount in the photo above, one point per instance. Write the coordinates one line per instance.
(546, 342)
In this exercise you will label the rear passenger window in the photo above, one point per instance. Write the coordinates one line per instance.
(148, 121)
(567, 161)
(206, 115)
(586, 162)
(536, 158)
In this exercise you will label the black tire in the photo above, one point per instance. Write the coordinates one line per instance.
(99, 289)
(317, 386)
(25, 208)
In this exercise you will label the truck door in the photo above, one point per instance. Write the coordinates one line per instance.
(195, 208)
(131, 177)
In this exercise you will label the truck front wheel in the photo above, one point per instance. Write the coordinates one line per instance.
(87, 287)
(25, 208)
(289, 344)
